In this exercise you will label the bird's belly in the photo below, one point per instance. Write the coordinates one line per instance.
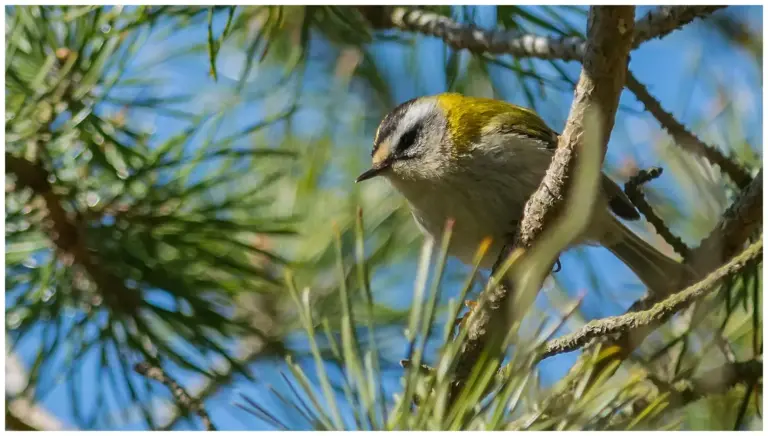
(474, 219)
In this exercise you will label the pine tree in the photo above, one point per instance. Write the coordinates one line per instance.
(184, 243)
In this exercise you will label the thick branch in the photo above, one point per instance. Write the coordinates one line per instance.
(658, 314)
(608, 41)
(602, 79)
(63, 231)
(179, 393)
(685, 139)
(656, 24)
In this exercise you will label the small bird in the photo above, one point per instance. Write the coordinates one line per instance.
(477, 161)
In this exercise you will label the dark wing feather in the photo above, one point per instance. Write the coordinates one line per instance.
(618, 201)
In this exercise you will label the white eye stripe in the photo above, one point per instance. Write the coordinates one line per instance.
(415, 115)
(376, 135)
(401, 129)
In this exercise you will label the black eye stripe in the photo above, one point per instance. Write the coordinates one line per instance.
(409, 138)
(390, 122)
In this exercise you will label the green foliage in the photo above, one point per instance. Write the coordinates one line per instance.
(495, 397)
(223, 243)
(159, 254)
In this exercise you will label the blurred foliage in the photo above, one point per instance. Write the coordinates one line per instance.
(196, 249)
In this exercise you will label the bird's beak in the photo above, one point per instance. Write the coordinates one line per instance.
(373, 172)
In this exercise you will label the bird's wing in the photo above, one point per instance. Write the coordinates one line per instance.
(520, 121)
(512, 122)
(618, 200)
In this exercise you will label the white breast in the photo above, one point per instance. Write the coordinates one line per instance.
(486, 198)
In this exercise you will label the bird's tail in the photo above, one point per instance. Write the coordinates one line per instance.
(657, 271)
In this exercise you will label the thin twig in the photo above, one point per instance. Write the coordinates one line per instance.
(663, 20)
(740, 221)
(179, 393)
(213, 385)
(633, 190)
(599, 329)
(684, 138)
(461, 36)
(657, 314)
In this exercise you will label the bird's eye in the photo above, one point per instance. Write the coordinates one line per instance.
(408, 138)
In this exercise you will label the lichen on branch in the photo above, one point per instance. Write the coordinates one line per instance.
(659, 313)
(657, 23)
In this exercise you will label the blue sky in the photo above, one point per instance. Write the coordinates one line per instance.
(665, 66)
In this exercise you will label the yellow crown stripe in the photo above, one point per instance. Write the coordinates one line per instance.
(471, 117)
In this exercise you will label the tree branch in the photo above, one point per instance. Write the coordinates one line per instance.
(460, 36)
(64, 231)
(635, 194)
(602, 78)
(738, 223)
(743, 218)
(684, 138)
(656, 24)
(179, 393)
(210, 387)
(658, 314)
(663, 20)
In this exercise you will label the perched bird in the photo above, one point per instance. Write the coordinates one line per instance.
(477, 161)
